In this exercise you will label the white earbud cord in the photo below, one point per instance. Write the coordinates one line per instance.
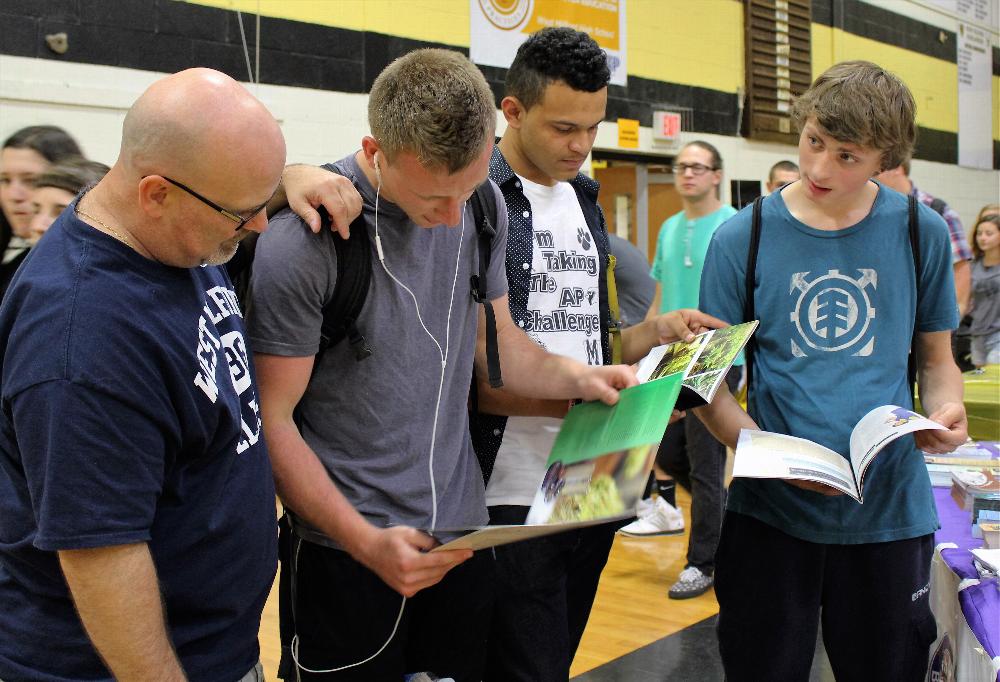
(443, 353)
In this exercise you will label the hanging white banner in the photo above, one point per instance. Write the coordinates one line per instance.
(975, 98)
(498, 27)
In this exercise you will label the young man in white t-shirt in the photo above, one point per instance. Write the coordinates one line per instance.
(557, 258)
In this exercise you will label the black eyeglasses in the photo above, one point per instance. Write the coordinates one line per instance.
(696, 168)
(240, 219)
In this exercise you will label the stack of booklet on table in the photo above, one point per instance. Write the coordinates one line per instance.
(602, 456)
(972, 456)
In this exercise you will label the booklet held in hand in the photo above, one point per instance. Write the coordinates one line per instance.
(761, 454)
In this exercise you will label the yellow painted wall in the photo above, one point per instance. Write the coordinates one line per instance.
(691, 42)
(688, 42)
(934, 82)
(438, 21)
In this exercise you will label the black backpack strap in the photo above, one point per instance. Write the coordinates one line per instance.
(354, 274)
(914, 226)
(240, 269)
(749, 312)
(484, 211)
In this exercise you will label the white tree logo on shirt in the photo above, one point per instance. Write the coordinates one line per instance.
(833, 312)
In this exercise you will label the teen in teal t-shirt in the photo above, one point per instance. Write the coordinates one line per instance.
(837, 316)
(680, 256)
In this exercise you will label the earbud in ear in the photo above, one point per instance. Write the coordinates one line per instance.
(378, 171)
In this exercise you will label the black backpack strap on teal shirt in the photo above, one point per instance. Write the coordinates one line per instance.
(914, 227)
(913, 224)
(749, 313)
(484, 212)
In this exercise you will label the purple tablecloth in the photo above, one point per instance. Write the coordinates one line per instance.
(980, 603)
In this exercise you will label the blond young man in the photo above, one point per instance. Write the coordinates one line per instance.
(835, 291)
(380, 458)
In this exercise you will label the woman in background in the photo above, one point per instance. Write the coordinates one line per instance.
(56, 188)
(24, 156)
(985, 327)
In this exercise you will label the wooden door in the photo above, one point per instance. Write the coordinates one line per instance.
(664, 201)
(617, 181)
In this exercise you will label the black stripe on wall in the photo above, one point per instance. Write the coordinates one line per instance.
(164, 35)
(869, 21)
(936, 145)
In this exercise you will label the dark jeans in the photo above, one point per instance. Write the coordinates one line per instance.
(692, 456)
(544, 590)
(344, 613)
(772, 589)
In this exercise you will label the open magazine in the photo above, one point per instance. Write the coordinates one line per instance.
(704, 362)
(597, 469)
(761, 454)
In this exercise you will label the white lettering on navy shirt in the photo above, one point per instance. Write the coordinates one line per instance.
(221, 303)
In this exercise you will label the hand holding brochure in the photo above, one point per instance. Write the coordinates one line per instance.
(599, 464)
(597, 469)
(761, 454)
(704, 362)
(602, 456)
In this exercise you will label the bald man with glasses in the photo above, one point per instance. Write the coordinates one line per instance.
(136, 499)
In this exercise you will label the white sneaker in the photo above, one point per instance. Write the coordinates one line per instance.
(645, 507)
(659, 519)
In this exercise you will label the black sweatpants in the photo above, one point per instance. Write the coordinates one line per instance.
(545, 588)
(344, 613)
(691, 455)
(771, 587)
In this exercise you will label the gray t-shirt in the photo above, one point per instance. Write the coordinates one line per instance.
(370, 422)
(636, 288)
(985, 299)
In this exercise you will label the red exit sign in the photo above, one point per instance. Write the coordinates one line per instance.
(666, 125)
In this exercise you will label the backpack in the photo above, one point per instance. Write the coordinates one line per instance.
(748, 305)
(354, 272)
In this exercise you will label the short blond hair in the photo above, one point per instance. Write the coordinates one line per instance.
(862, 103)
(435, 104)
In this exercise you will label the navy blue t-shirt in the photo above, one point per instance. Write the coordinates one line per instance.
(130, 415)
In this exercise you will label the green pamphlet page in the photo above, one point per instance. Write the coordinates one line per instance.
(602, 456)
(638, 418)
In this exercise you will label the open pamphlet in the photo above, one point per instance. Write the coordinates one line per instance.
(761, 454)
(704, 362)
(597, 469)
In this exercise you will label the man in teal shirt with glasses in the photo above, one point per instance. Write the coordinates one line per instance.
(689, 453)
